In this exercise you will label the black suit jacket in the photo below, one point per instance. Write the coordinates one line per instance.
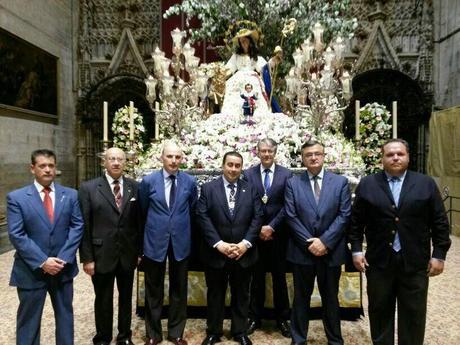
(274, 213)
(217, 224)
(111, 235)
(420, 219)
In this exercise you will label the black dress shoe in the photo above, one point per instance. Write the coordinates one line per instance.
(243, 340)
(284, 328)
(211, 340)
(252, 326)
(177, 341)
(125, 342)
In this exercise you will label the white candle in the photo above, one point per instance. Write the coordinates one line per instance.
(105, 108)
(131, 120)
(157, 126)
(357, 110)
(395, 119)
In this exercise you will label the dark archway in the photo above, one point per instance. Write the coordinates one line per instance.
(385, 86)
(118, 91)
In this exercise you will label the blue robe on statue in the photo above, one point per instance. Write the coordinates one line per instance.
(268, 88)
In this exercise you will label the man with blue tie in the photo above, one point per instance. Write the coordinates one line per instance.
(318, 207)
(269, 179)
(167, 199)
(45, 227)
(407, 233)
(229, 214)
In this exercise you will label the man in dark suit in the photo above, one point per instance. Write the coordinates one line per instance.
(230, 216)
(401, 213)
(168, 199)
(110, 245)
(45, 227)
(318, 206)
(269, 179)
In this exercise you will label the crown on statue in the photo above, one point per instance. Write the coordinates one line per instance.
(243, 28)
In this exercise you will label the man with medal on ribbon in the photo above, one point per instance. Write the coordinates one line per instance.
(269, 179)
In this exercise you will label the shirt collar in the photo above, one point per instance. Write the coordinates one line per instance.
(320, 174)
(167, 174)
(110, 179)
(272, 168)
(40, 188)
(226, 183)
(401, 177)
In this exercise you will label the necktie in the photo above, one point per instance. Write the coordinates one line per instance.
(316, 188)
(117, 193)
(48, 203)
(172, 191)
(231, 199)
(267, 180)
(395, 188)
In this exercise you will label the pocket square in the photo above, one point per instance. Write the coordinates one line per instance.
(132, 199)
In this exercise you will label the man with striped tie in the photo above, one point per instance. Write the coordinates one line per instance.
(111, 244)
(229, 215)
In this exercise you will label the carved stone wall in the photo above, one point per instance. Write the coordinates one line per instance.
(115, 40)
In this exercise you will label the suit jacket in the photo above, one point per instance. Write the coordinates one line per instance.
(326, 220)
(111, 235)
(420, 219)
(274, 214)
(35, 238)
(217, 224)
(163, 225)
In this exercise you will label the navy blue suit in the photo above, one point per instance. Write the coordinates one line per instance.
(272, 253)
(327, 221)
(36, 239)
(167, 234)
(421, 222)
(217, 224)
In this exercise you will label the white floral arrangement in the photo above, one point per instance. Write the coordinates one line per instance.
(206, 142)
(120, 129)
(374, 130)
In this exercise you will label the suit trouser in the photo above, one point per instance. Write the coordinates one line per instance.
(272, 258)
(30, 312)
(154, 294)
(217, 280)
(385, 287)
(103, 304)
(328, 285)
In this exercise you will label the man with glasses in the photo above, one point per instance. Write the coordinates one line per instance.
(111, 244)
(318, 207)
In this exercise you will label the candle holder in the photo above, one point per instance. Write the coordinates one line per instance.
(105, 147)
(131, 160)
(181, 95)
(318, 85)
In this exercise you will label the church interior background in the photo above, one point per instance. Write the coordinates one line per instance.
(406, 51)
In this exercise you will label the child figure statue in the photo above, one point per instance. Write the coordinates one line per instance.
(249, 104)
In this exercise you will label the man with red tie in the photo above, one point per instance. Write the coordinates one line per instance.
(45, 227)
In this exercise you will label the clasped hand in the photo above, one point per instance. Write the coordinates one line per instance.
(232, 250)
(316, 247)
(53, 265)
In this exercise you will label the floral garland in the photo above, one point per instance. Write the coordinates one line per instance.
(374, 129)
(120, 129)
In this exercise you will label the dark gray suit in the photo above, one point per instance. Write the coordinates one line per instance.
(112, 241)
(272, 254)
(217, 224)
(421, 222)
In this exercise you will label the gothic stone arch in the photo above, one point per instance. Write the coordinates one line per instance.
(385, 86)
(117, 90)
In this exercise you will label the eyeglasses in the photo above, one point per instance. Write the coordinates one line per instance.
(313, 154)
(115, 159)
